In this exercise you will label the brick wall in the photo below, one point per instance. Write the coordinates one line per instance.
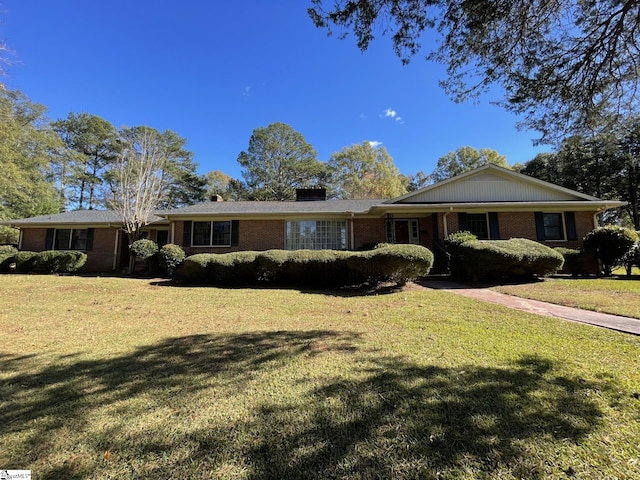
(99, 259)
(368, 231)
(33, 239)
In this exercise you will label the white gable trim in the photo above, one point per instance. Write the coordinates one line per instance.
(556, 192)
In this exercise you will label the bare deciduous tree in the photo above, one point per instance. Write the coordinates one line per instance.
(137, 180)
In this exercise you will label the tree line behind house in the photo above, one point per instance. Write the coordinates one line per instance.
(85, 162)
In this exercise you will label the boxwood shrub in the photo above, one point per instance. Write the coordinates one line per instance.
(578, 261)
(49, 261)
(57, 261)
(309, 268)
(517, 257)
(171, 257)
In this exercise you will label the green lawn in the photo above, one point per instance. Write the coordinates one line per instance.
(120, 378)
(617, 295)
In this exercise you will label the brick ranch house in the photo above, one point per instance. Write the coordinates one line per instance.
(490, 201)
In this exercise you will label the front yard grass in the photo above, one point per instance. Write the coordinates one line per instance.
(617, 295)
(121, 378)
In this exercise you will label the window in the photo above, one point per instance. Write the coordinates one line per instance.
(316, 235)
(553, 226)
(477, 224)
(70, 239)
(211, 234)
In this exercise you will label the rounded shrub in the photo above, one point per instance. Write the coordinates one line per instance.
(610, 243)
(517, 257)
(143, 249)
(171, 257)
(578, 261)
(452, 247)
(24, 261)
(58, 261)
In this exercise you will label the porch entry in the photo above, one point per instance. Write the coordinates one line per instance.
(403, 231)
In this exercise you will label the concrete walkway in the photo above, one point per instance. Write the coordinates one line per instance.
(613, 322)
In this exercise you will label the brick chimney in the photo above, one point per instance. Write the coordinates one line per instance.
(311, 194)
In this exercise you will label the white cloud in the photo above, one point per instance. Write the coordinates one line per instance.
(374, 143)
(247, 91)
(390, 113)
(363, 116)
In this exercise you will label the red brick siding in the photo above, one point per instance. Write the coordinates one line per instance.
(99, 259)
(368, 231)
(33, 239)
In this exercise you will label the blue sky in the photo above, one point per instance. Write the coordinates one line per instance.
(212, 71)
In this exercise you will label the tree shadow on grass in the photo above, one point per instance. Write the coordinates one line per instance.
(386, 417)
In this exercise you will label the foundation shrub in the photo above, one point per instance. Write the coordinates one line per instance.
(309, 268)
(7, 249)
(6, 260)
(514, 258)
(171, 257)
(452, 247)
(578, 261)
(58, 261)
(24, 261)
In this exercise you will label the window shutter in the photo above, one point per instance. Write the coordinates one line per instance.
(539, 216)
(570, 220)
(48, 241)
(462, 221)
(186, 234)
(235, 233)
(89, 245)
(494, 228)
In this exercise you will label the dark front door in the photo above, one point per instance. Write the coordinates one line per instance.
(402, 231)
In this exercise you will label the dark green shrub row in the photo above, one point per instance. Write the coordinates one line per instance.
(6, 249)
(517, 257)
(578, 261)
(49, 261)
(310, 268)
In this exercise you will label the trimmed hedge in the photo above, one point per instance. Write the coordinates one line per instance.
(578, 261)
(517, 257)
(171, 257)
(49, 261)
(309, 268)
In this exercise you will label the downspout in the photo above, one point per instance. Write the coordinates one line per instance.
(115, 250)
(173, 232)
(445, 226)
(596, 223)
(352, 234)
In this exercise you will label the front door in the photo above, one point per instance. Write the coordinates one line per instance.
(402, 231)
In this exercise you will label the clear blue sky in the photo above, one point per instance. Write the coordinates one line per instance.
(213, 70)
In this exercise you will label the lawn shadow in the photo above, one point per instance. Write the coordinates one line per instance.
(388, 417)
